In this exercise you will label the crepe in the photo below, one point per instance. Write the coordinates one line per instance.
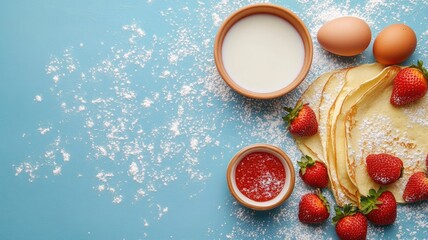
(312, 96)
(354, 79)
(312, 145)
(320, 95)
(374, 126)
(345, 102)
(330, 91)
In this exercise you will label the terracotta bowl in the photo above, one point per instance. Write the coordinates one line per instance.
(285, 14)
(289, 177)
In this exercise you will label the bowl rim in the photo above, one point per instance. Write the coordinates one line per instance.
(264, 8)
(278, 200)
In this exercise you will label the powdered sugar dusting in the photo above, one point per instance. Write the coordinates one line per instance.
(379, 136)
(418, 115)
(38, 98)
(65, 155)
(57, 170)
(43, 131)
(149, 113)
(260, 176)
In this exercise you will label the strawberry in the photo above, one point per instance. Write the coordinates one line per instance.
(313, 173)
(380, 207)
(350, 224)
(301, 120)
(416, 188)
(384, 168)
(313, 208)
(409, 85)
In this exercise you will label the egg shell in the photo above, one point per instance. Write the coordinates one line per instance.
(394, 44)
(345, 36)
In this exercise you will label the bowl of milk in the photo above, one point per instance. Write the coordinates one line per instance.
(263, 51)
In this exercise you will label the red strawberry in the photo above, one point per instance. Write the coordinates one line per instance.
(410, 84)
(313, 208)
(350, 224)
(416, 188)
(379, 207)
(301, 120)
(313, 173)
(384, 168)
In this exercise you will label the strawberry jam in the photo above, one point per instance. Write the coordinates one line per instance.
(260, 176)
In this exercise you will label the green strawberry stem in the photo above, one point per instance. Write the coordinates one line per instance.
(420, 66)
(323, 199)
(305, 162)
(370, 202)
(292, 113)
(346, 210)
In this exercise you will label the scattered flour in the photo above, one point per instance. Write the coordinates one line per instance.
(57, 170)
(185, 90)
(38, 98)
(175, 128)
(147, 103)
(194, 143)
(137, 175)
(157, 122)
(161, 211)
(216, 19)
(43, 131)
(104, 177)
(65, 155)
(117, 199)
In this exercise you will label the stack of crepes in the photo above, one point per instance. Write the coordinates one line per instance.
(356, 119)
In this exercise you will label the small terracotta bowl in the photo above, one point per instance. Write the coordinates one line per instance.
(263, 8)
(289, 177)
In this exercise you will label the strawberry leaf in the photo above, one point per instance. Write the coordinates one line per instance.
(323, 199)
(346, 210)
(339, 214)
(370, 202)
(292, 113)
(306, 161)
(420, 66)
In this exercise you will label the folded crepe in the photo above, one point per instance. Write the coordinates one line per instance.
(374, 126)
(347, 103)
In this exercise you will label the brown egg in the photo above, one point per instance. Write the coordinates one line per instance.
(345, 36)
(394, 44)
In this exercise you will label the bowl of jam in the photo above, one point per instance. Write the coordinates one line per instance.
(261, 176)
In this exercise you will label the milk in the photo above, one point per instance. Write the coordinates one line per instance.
(263, 53)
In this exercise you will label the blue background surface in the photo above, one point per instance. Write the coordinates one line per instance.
(115, 124)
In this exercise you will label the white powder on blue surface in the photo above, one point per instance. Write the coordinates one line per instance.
(57, 170)
(38, 98)
(43, 131)
(156, 135)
